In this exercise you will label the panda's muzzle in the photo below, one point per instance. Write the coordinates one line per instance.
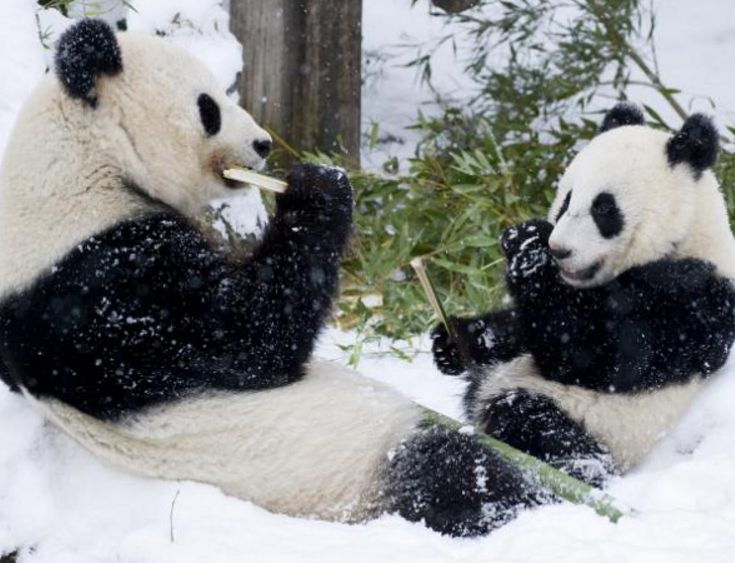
(583, 275)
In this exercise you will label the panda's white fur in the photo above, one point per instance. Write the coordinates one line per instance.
(307, 449)
(669, 212)
(84, 154)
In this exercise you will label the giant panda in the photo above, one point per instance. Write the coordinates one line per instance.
(163, 356)
(623, 303)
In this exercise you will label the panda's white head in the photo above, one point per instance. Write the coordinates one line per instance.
(159, 113)
(125, 124)
(634, 195)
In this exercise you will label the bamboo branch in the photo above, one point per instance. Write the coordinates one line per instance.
(418, 265)
(247, 176)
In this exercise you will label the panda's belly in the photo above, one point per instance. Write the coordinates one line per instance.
(313, 448)
(628, 424)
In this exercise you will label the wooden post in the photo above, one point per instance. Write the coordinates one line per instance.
(302, 70)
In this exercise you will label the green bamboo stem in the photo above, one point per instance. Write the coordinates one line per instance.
(556, 481)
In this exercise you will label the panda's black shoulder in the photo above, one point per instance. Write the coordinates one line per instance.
(678, 285)
(160, 249)
(682, 275)
(137, 244)
(152, 229)
(691, 309)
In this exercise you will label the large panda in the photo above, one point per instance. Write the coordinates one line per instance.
(164, 357)
(623, 303)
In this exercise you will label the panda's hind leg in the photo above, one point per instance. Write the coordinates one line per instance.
(457, 487)
(534, 423)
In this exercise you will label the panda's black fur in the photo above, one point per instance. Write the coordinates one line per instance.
(654, 326)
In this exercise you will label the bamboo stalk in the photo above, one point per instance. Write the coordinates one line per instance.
(247, 176)
(556, 481)
(418, 265)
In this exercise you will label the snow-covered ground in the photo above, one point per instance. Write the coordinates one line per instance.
(60, 504)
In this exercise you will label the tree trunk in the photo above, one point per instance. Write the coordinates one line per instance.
(302, 70)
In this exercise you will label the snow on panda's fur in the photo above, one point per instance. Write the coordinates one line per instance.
(169, 359)
(623, 303)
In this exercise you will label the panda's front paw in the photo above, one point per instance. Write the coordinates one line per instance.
(325, 190)
(535, 232)
(446, 353)
(526, 248)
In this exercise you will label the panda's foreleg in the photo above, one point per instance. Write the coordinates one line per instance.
(270, 310)
(476, 341)
(535, 424)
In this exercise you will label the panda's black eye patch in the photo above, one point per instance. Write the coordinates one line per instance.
(607, 215)
(564, 206)
(209, 114)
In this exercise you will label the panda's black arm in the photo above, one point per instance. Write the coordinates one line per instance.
(676, 318)
(655, 324)
(477, 341)
(498, 335)
(272, 308)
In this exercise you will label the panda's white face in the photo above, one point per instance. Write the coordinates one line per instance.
(176, 130)
(621, 203)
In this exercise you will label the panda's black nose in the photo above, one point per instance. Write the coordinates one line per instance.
(262, 147)
(559, 253)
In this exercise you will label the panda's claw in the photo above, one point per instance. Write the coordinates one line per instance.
(445, 351)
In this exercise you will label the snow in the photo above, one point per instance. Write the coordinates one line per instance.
(61, 504)
(392, 92)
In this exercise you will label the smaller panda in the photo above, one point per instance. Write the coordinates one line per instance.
(623, 303)
(169, 358)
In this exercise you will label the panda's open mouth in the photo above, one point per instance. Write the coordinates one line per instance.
(583, 275)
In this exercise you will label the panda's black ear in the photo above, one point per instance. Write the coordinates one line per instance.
(85, 51)
(697, 143)
(624, 113)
